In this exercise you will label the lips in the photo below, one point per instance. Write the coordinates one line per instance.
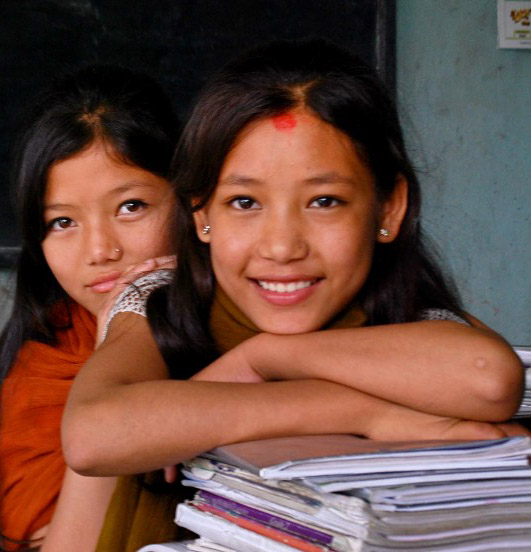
(286, 292)
(104, 283)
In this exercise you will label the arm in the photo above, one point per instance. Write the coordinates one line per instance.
(79, 514)
(124, 416)
(438, 367)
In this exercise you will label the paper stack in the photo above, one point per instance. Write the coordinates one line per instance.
(525, 356)
(347, 494)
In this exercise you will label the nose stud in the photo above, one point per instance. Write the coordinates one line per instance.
(117, 250)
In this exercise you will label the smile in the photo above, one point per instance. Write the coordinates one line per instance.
(280, 287)
(287, 293)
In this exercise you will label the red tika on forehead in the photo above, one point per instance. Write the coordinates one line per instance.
(284, 122)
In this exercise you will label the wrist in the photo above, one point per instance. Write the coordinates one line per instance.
(381, 417)
(258, 352)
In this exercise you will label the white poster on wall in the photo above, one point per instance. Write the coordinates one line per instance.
(514, 24)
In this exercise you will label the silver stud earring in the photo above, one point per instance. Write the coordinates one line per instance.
(206, 229)
(384, 232)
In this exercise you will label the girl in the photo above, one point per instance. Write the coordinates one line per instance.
(304, 300)
(92, 197)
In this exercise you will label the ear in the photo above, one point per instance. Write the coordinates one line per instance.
(393, 211)
(201, 221)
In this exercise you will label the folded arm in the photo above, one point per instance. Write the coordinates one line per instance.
(124, 416)
(438, 367)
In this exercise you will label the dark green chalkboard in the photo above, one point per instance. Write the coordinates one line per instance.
(179, 42)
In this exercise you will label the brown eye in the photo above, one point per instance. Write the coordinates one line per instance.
(325, 202)
(131, 206)
(244, 203)
(60, 223)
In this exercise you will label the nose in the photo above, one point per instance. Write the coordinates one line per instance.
(283, 238)
(101, 244)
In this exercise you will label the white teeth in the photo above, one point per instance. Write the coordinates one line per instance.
(284, 288)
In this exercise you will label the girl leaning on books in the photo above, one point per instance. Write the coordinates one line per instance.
(305, 299)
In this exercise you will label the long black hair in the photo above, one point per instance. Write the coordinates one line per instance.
(343, 91)
(126, 110)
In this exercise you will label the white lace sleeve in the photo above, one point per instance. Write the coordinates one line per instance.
(441, 314)
(134, 297)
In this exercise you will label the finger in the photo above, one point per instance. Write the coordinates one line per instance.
(145, 266)
(167, 260)
(513, 429)
(170, 474)
(132, 272)
(135, 272)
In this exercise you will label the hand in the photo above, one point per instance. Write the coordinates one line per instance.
(466, 429)
(406, 424)
(131, 274)
(233, 366)
(513, 429)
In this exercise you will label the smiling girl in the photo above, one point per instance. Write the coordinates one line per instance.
(304, 300)
(93, 199)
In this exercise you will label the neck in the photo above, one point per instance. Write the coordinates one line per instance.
(229, 326)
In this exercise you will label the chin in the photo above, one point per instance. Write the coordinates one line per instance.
(90, 306)
(288, 328)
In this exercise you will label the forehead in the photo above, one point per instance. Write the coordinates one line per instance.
(298, 142)
(95, 170)
(89, 161)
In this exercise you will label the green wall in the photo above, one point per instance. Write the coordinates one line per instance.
(467, 110)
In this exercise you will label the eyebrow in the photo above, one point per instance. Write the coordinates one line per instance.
(125, 187)
(330, 178)
(56, 207)
(324, 178)
(131, 185)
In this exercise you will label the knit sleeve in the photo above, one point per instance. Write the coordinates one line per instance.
(134, 297)
(441, 314)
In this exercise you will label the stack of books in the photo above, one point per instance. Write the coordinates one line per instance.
(525, 356)
(347, 494)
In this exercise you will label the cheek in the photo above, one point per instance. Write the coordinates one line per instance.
(60, 263)
(229, 254)
(152, 239)
(350, 256)
(148, 247)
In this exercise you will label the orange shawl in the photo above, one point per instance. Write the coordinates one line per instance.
(33, 397)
